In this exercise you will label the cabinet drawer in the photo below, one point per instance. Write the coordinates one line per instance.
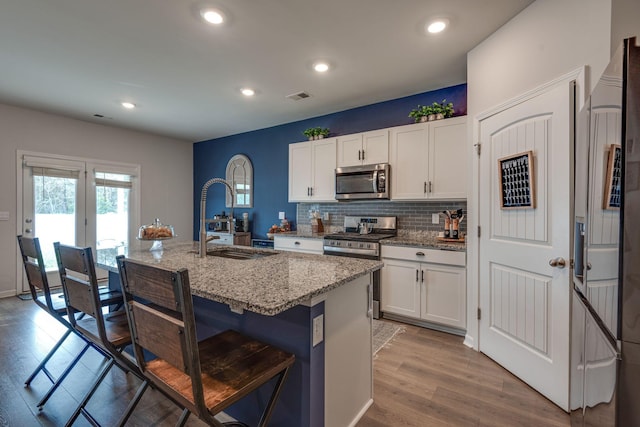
(297, 244)
(436, 256)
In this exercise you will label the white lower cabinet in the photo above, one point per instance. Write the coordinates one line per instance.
(424, 284)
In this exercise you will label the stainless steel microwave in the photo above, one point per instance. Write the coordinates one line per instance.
(362, 182)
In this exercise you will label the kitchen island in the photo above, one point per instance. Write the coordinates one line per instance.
(315, 306)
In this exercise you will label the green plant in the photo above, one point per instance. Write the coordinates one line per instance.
(316, 131)
(421, 111)
(447, 109)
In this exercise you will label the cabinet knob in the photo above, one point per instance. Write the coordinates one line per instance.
(296, 243)
(419, 253)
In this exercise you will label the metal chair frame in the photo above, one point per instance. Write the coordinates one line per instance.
(82, 296)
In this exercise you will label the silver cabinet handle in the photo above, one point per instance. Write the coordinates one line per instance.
(425, 187)
(359, 154)
(311, 190)
(419, 253)
(557, 262)
(362, 154)
(416, 275)
(430, 187)
(422, 279)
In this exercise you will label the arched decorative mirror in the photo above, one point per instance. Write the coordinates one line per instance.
(240, 176)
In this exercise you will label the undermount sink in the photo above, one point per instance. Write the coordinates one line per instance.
(238, 254)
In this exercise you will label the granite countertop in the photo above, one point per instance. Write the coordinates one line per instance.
(268, 285)
(421, 240)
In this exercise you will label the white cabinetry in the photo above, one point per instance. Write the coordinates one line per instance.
(297, 244)
(428, 160)
(312, 171)
(424, 284)
(363, 148)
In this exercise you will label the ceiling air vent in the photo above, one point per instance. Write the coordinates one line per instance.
(298, 96)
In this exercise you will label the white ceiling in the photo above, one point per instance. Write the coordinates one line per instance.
(83, 57)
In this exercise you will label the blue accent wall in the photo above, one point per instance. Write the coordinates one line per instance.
(268, 150)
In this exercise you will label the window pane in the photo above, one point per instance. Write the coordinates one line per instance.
(55, 214)
(112, 216)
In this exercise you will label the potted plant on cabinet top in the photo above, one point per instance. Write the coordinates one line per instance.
(435, 111)
(421, 113)
(316, 133)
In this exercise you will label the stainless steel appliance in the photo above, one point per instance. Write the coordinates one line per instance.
(362, 182)
(361, 239)
(605, 347)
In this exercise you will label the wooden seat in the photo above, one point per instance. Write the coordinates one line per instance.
(109, 332)
(203, 377)
(52, 303)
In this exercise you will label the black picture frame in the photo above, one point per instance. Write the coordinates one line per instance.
(517, 181)
(613, 179)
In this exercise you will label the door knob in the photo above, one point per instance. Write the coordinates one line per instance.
(27, 230)
(557, 262)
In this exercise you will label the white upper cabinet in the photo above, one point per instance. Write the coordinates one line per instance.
(428, 160)
(312, 167)
(363, 148)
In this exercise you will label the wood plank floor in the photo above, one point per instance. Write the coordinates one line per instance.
(424, 378)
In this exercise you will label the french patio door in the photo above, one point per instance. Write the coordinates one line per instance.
(76, 202)
(53, 206)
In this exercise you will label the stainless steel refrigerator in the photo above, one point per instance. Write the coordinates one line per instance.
(605, 340)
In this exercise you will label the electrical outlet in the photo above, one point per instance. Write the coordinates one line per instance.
(280, 215)
(325, 216)
(435, 218)
(318, 329)
(4, 216)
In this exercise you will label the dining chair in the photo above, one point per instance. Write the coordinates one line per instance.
(108, 332)
(204, 377)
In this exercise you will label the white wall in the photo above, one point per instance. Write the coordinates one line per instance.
(546, 40)
(166, 178)
(625, 21)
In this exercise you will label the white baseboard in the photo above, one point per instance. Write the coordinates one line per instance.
(468, 341)
(7, 294)
(361, 413)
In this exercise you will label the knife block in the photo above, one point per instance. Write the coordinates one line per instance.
(316, 225)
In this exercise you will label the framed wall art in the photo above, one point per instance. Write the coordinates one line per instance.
(612, 194)
(517, 181)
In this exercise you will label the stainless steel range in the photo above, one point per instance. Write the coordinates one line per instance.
(361, 239)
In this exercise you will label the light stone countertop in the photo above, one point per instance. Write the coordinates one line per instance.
(267, 285)
(424, 240)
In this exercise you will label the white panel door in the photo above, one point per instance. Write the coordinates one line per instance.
(525, 301)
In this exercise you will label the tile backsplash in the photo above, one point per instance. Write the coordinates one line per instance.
(412, 216)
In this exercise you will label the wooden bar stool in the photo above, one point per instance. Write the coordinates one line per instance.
(109, 332)
(201, 377)
(50, 302)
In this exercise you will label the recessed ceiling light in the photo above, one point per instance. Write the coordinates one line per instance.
(321, 67)
(212, 16)
(128, 105)
(247, 91)
(437, 26)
